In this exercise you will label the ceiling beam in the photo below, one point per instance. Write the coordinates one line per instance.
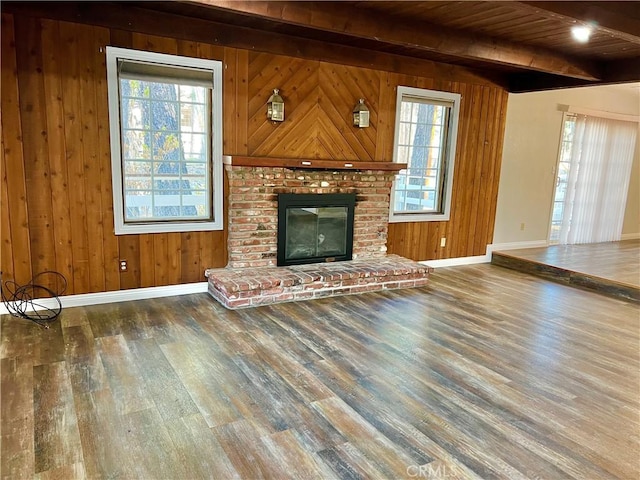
(619, 19)
(615, 72)
(622, 71)
(536, 82)
(358, 23)
(141, 20)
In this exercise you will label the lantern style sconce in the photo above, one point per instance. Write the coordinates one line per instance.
(361, 115)
(275, 107)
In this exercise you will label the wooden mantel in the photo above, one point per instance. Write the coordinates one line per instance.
(312, 163)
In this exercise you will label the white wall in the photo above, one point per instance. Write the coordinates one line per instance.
(532, 137)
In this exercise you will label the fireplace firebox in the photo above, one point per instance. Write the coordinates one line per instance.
(314, 228)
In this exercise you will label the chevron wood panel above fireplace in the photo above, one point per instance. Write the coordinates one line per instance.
(319, 99)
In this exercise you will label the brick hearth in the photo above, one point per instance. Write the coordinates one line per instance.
(251, 277)
(242, 287)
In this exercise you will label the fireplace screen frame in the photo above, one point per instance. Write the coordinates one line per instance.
(314, 200)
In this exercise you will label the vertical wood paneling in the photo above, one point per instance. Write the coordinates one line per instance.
(174, 259)
(469, 158)
(34, 138)
(230, 102)
(15, 227)
(386, 118)
(6, 247)
(110, 241)
(236, 101)
(188, 48)
(129, 250)
(120, 38)
(477, 156)
(190, 265)
(54, 99)
(153, 43)
(147, 261)
(498, 141)
(57, 150)
(481, 224)
(161, 256)
(70, 62)
(91, 159)
(455, 242)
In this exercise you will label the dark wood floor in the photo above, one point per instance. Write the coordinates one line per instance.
(486, 373)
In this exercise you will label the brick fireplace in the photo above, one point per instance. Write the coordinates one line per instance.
(252, 278)
(253, 206)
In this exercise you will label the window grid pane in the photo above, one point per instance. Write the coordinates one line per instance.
(562, 179)
(421, 144)
(166, 157)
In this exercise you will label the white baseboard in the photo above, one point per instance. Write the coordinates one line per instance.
(85, 299)
(630, 236)
(456, 262)
(493, 247)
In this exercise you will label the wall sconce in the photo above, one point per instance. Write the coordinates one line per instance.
(275, 107)
(361, 115)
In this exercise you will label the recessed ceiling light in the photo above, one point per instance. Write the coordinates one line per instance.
(581, 33)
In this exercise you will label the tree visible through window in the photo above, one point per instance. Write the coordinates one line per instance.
(426, 127)
(166, 120)
(420, 144)
(165, 150)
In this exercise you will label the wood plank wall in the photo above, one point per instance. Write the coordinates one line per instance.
(57, 211)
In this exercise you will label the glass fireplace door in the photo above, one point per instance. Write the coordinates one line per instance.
(315, 228)
(316, 232)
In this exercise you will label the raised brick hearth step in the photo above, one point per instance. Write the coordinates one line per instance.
(250, 287)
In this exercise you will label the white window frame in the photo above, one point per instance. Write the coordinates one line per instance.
(449, 158)
(216, 183)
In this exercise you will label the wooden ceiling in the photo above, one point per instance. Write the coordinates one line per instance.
(525, 46)
(528, 43)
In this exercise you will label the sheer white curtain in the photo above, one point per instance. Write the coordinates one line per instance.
(601, 159)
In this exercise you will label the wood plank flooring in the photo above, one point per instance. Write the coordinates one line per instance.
(616, 261)
(485, 373)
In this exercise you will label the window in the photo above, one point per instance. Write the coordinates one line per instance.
(425, 139)
(594, 171)
(562, 178)
(165, 115)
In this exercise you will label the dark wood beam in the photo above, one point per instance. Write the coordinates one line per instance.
(359, 23)
(619, 19)
(614, 71)
(621, 71)
(536, 82)
(142, 20)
